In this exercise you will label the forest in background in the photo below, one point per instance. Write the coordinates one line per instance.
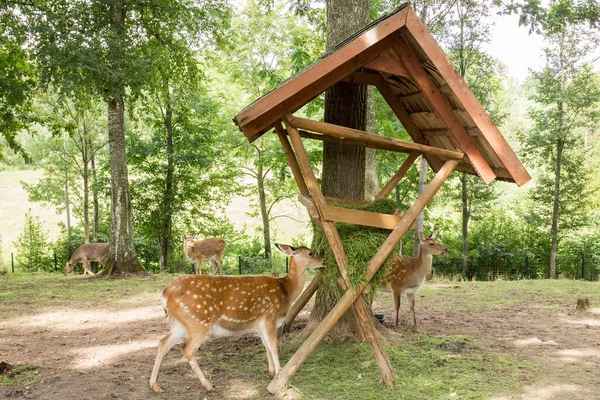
(187, 160)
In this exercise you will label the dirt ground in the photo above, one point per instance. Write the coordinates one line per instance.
(100, 351)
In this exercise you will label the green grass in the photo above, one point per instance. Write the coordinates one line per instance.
(19, 375)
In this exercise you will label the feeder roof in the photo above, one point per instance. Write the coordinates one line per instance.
(398, 56)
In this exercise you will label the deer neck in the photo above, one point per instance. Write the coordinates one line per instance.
(424, 260)
(294, 280)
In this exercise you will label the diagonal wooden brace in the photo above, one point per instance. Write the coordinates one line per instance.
(351, 294)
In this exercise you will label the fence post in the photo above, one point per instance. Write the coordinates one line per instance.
(479, 268)
(12, 262)
(55, 263)
(526, 265)
(240, 264)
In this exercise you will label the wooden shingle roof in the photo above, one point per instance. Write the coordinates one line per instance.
(398, 56)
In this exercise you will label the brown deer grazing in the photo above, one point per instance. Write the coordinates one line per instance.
(407, 274)
(209, 250)
(85, 253)
(201, 305)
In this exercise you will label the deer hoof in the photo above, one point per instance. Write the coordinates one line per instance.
(157, 388)
(208, 386)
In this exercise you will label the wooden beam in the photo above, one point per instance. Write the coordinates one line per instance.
(442, 106)
(349, 297)
(365, 78)
(359, 217)
(474, 131)
(467, 98)
(301, 301)
(289, 154)
(408, 124)
(387, 189)
(293, 94)
(388, 65)
(354, 134)
(365, 329)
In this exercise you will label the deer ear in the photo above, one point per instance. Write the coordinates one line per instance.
(432, 236)
(286, 248)
(421, 237)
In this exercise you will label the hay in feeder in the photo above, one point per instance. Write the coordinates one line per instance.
(360, 243)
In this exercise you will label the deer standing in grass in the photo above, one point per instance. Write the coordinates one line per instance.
(209, 250)
(85, 253)
(407, 274)
(201, 305)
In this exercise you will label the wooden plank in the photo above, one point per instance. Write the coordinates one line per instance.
(441, 105)
(360, 217)
(293, 94)
(354, 134)
(408, 124)
(365, 78)
(467, 98)
(388, 65)
(349, 297)
(289, 154)
(387, 189)
(474, 131)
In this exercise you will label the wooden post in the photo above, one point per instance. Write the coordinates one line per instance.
(289, 154)
(351, 294)
(301, 301)
(387, 189)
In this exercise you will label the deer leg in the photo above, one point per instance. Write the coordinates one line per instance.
(176, 333)
(268, 332)
(397, 297)
(214, 266)
(220, 262)
(189, 352)
(269, 355)
(198, 265)
(413, 319)
(86, 266)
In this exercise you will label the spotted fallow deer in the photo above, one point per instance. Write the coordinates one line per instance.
(201, 305)
(85, 253)
(407, 274)
(209, 250)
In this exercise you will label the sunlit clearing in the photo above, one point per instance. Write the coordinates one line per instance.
(238, 389)
(543, 392)
(572, 355)
(533, 342)
(588, 321)
(76, 320)
(99, 356)
(594, 310)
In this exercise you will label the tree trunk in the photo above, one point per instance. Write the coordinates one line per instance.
(263, 208)
(96, 206)
(123, 256)
(556, 204)
(68, 210)
(86, 195)
(169, 195)
(421, 218)
(465, 224)
(345, 168)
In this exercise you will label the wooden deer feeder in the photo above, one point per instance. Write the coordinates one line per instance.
(399, 57)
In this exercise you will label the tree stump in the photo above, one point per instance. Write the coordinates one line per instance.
(583, 304)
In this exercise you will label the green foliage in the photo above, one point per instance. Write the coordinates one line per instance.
(360, 244)
(17, 81)
(32, 246)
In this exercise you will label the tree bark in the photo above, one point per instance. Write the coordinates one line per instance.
(347, 170)
(263, 208)
(122, 256)
(465, 224)
(169, 194)
(419, 225)
(96, 206)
